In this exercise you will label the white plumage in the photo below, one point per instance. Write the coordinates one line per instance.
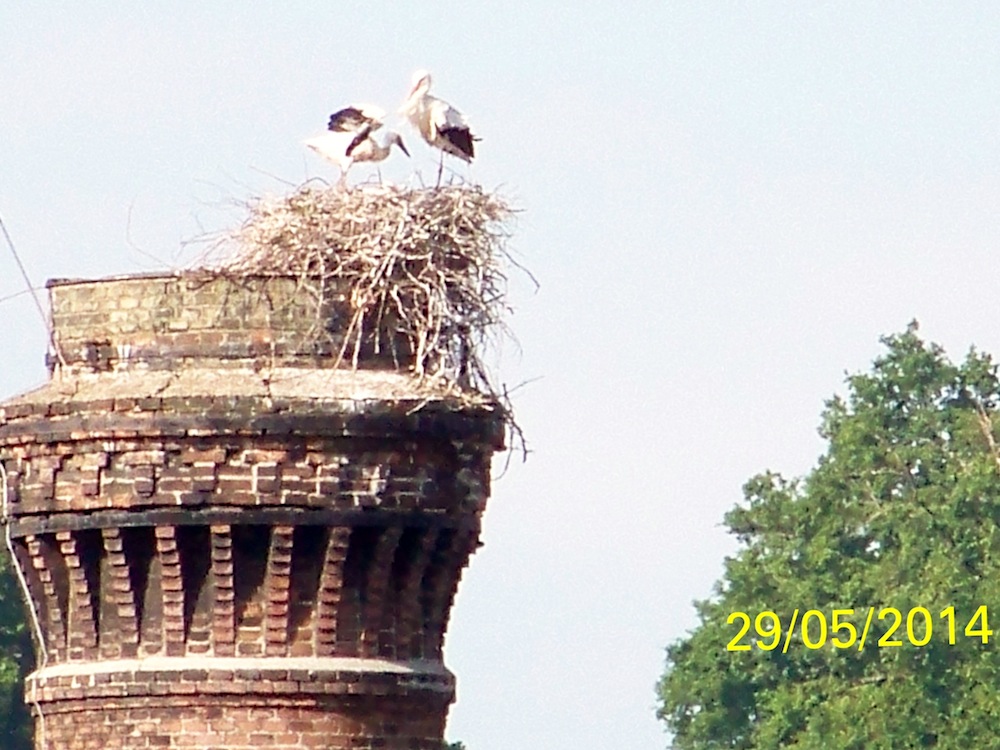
(440, 124)
(349, 138)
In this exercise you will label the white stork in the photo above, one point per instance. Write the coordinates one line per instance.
(440, 124)
(350, 137)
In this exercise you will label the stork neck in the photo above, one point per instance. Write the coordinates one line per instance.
(413, 102)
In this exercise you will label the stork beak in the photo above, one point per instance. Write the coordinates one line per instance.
(399, 142)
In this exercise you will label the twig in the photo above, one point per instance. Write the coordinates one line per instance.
(423, 273)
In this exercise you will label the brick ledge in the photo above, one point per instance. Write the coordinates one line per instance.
(428, 667)
(206, 675)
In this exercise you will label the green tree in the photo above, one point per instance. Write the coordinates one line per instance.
(901, 511)
(16, 660)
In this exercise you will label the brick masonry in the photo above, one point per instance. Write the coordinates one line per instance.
(227, 545)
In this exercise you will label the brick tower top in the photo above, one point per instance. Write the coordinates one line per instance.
(231, 538)
(127, 352)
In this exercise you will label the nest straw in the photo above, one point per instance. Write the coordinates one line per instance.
(425, 265)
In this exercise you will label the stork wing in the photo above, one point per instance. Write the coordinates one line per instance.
(452, 126)
(332, 147)
(356, 117)
(443, 115)
(359, 138)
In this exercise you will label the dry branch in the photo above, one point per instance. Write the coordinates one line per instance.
(422, 271)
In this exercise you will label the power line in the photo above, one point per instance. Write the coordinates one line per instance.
(24, 275)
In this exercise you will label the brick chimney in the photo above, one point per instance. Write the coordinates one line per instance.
(230, 542)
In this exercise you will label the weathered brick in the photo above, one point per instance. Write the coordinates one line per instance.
(314, 558)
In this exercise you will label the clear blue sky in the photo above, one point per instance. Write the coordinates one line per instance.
(726, 204)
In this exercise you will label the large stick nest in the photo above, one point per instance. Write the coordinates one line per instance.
(423, 266)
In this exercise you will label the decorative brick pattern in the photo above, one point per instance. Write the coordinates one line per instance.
(222, 566)
(308, 473)
(171, 590)
(402, 638)
(223, 607)
(331, 584)
(51, 592)
(119, 616)
(279, 579)
(439, 587)
(374, 600)
(81, 617)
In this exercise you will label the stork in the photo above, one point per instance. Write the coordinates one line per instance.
(440, 124)
(349, 137)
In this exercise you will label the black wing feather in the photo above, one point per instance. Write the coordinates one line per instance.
(462, 139)
(349, 119)
(359, 139)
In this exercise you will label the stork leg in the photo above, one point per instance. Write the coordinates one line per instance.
(440, 169)
(344, 168)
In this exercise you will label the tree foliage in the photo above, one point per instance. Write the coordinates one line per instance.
(901, 511)
(15, 661)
